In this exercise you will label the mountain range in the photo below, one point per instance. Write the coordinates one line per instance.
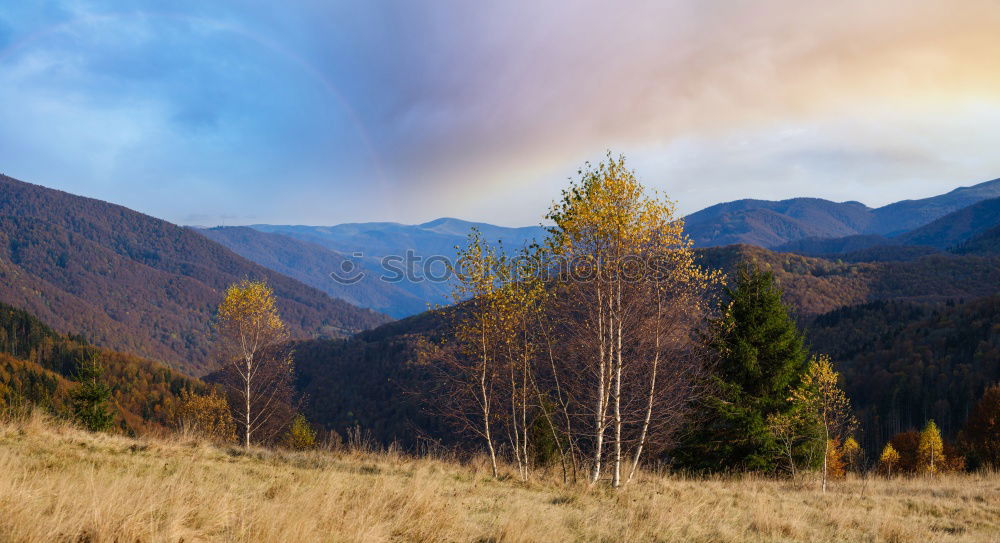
(389, 281)
(771, 224)
(134, 283)
(847, 231)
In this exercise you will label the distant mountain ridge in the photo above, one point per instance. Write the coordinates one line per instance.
(134, 283)
(956, 227)
(378, 239)
(389, 286)
(851, 231)
(313, 265)
(947, 233)
(771, 224)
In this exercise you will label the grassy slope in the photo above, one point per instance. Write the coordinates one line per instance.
(59, 483)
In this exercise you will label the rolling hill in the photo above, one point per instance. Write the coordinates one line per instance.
(134, 283)
(956, 227)
(772, 224)
(943, 234)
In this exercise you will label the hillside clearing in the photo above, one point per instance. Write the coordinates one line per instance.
(58, 483)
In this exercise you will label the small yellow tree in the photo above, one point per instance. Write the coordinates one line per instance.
(257, 365)
(851, 453)
(821, 397)
(473, 375)
(930, 452)
(889, 459)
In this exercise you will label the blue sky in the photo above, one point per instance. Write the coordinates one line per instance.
(319, 112)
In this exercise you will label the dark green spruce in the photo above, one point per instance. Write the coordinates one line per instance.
(90, 399)
(760, 356)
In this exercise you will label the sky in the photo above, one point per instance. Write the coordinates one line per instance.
(324, 112)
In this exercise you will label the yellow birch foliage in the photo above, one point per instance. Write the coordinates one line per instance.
(250, 307)
(851, 453)
(930, 452)
(835, 460)
(889, 459)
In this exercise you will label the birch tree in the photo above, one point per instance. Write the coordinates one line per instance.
(628, 293)
(930, 450)
(472, 372)
(257, 365)
(820, 396)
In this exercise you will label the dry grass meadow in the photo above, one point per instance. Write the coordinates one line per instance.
(58, 483)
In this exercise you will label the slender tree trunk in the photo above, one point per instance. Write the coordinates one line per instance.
(791, 459)
(826, 451)
(562, 404)
(599, 424)
(514, 433)
(646, 420)
(246, 432)
(652, 392)
(617, 476)
(600, 411)
(486, 408)
(524, 409)
(619, 363)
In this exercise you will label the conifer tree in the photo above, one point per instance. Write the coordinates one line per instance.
(90, 399)
(930, 452)
(761, 357)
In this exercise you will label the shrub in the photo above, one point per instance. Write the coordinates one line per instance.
(207, 416)
(301, 436)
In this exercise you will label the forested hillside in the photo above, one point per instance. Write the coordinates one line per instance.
(985, 244)
(39, 366)
(904, 363)
(375, 381)
(815, 285)
(888, 327)
(134, 283)
(956, 227)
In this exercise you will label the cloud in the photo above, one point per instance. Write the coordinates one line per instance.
(326, 112)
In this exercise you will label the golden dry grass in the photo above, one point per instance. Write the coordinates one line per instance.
(58, 483)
